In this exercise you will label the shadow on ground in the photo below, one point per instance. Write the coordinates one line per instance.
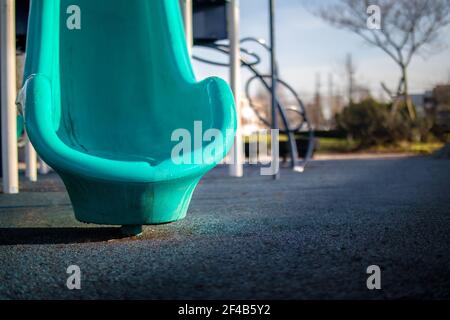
(34, 236)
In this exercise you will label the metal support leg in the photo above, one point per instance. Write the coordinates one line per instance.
(237, 154)
(31, 162)
(187, 8)
(8, 97)
(274, 73)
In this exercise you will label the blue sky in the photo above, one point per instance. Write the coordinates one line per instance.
(307, 46)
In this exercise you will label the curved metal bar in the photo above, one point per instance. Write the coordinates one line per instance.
(298, 166)
(225, 50)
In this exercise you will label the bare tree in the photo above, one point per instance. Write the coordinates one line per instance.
(350, 70)
(408, 27)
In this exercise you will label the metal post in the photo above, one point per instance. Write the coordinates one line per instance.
(8, 98)
(274, 73)
(30, 153)
(31, 162)
(187, 8)
(237, 154)
(43, 167)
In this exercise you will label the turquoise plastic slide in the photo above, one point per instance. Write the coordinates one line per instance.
(107, 83)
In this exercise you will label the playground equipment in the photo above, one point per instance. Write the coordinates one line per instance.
(18, 21)
(13, 26)
(10, 173)
(102, 97)
(221, 20)
(211, 13)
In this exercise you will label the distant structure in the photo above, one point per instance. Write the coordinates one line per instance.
(250, 122)
(350, 70)
(434, 103)
(424, 102)
(361, 93)
(315, 108)
(441, 97)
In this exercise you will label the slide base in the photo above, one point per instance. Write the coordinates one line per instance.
(131, 230)
(129, 204)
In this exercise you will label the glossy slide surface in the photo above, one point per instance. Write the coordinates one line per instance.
(107, 83)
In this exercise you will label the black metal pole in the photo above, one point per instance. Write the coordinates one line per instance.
(274, 73)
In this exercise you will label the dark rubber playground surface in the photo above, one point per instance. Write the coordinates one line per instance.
(307, 236)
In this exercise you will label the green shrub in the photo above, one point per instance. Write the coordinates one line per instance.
(372, 123)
